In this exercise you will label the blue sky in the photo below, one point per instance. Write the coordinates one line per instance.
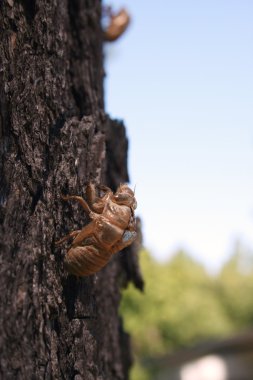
(181, 78)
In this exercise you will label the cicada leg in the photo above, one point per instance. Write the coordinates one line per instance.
(96, 203)
(70, 235)
(80, 200)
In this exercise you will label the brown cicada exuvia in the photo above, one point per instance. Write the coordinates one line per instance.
(117, 25)
(112, 228)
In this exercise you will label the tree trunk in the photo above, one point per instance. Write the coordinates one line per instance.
(55, 138)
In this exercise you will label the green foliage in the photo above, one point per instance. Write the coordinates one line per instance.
(183, 304)
(139, 372)
(235, 287)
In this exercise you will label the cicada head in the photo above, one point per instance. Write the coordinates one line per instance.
(125, 196)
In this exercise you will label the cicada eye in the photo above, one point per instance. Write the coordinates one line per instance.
(121, 197)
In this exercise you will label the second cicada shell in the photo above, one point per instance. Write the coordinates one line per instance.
(117, 25)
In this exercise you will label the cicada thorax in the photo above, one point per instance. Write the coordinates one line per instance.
(110, 226)
(116, 214)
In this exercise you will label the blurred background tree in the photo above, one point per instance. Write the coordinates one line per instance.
(183, 304)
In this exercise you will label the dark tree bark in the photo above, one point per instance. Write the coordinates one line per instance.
(55, 137)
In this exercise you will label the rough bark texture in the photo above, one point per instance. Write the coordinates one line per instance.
(55, 138)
